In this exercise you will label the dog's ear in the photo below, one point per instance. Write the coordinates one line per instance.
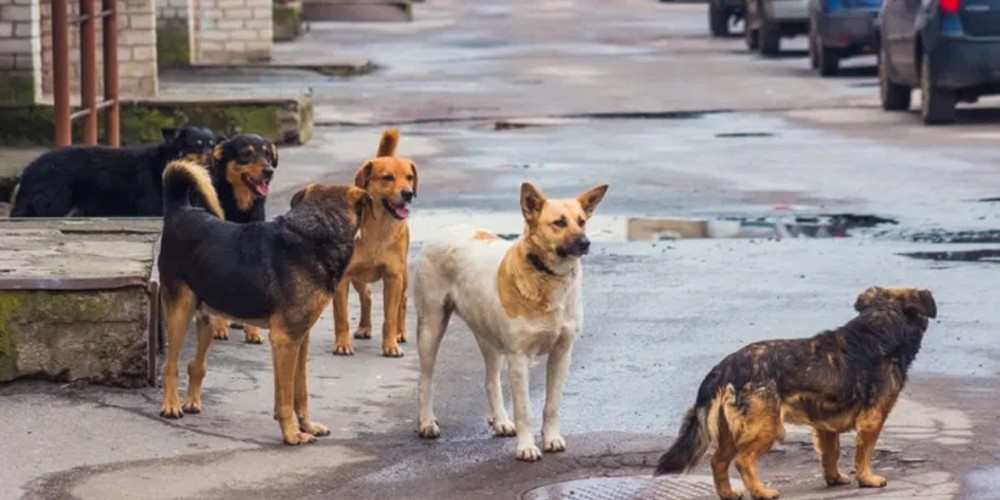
(921, 302)
(219, 138)
(867, 298)
(169, 133)
(298, 197)
(532, 201)
(217, 153)
(362, 176)
(359, 199)
(413, 168)
(591, 198)
(274, 155)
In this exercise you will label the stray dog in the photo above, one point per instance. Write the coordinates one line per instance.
(99, 181)
(519, 300)
(382, 249)
(278, 274)
(837, 381)
(242, 169)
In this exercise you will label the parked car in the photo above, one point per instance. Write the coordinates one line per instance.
(948, 48)
(722, 14)
(839, 29)
(768, 21)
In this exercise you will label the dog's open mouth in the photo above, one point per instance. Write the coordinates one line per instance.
(259, 187)
(400, 211)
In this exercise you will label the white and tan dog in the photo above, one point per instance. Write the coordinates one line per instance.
(520, 301)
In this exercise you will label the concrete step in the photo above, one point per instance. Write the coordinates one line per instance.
(357, 10)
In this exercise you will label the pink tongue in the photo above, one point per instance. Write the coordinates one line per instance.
(263, 189)
(402, 211)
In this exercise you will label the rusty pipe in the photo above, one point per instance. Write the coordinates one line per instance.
(60, 73)
(112, 125)
(88, 70)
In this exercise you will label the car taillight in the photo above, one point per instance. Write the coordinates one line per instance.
(950, 6)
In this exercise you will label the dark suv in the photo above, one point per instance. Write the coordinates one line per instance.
(949, 48)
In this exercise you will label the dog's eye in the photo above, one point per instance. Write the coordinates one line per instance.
(559, 223)
(582, 222)
(409, 177)
(200, 143)
(387, 177)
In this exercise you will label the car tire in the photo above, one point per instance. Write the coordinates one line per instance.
(828, 60)
(770, 37)
(718, 19)
(894, 97)
(937, 105)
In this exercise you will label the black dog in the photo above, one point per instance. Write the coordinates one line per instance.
(278, 274)
(99, 181)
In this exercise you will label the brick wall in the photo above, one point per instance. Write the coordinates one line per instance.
(20, 64)
(137, 72)
(231, 31)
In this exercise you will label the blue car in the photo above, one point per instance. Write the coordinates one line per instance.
(839, 29)
(948, 48)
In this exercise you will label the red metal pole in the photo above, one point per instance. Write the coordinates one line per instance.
(60, 73)
(111, 123)
(88, 70)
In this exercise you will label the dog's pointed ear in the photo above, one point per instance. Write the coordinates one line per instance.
(169, 133)
(217, 152)
(591, 198)
(363, 175)
(867, 298)
(301, 195)
(532, 201)
(413, 168)
(274, 154)
(921, 302)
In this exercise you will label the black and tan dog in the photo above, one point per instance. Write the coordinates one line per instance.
(837, 381)
(99, 181)
(242, 169)
(278, 274)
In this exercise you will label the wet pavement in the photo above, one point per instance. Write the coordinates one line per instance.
(566, 94)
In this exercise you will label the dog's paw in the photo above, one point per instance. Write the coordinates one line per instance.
(363, 332)
(220, 331)
(730, 494)
(297, 438)
(429, 431)
(253, 335)
(315, 428)
(192, 405)
(554, 444)
(401, 338)
(765, 494)
(839, 480)
(529, 453)
(171, 409)
(503, 428)
(872, 481)
(343, 350)
(392, 351)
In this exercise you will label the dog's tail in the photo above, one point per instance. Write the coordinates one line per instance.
(184, 181)
(699, 429)
(387, 146)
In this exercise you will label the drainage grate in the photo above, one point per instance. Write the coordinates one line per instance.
(626, 488)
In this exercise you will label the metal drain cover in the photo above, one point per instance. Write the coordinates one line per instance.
(626, 488)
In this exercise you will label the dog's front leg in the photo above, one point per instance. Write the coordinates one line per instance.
(393, 294)
(869, 426)
(555, 375)
(306, 423)
(342, 338)
(519, 368)
(285, 357)
(178, 308)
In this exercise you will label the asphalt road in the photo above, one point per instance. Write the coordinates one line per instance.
(633, 93)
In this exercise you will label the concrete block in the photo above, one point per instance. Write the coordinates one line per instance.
(15, 13)
(15, 46)
(24, 62)
(7, 61)
(231, 25)
(23, 30)
(238, 13)
(262, 12)
(236, 46)
(654, 229)
(143, 54)
(6, 29)
(142, 21)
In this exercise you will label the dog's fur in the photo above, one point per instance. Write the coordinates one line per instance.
(520, 301)
(381, 252)
(242, 168)
(99, 181)
(837, 381)
(278, 274)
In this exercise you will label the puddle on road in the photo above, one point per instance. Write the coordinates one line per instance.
(941, 236)
(991, 255)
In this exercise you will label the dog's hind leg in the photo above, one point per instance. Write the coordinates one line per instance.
(723, 456)
(342, 340)
(828, 445)
(198, 366)
(499, 421)
(402, 308)
(432, 321)
(364, 330)
(758, 425)
(178, 307)
(306, 423)
(519, 366)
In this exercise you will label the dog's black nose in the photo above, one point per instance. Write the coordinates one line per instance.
(268, 173)
(582, 245)
(407, 195)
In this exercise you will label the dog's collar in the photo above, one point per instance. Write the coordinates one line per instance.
(537, 263)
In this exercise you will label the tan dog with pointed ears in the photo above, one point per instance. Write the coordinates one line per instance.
(520, 301)
(381, 251)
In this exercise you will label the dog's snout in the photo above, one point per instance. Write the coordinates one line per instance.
(583, 245)
(268, 173)
(407, 195)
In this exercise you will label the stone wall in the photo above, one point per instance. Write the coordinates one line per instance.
(137, 71)
(231, 31)
(20, 43)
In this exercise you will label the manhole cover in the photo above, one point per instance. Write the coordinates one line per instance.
(626, 488)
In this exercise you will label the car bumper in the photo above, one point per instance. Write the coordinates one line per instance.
(959, 63)
(848, 29)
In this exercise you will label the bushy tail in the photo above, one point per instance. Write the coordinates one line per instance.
(185, 182)
(690, 446)
(387, 146)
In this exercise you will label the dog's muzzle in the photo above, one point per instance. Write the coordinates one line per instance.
(578, 247)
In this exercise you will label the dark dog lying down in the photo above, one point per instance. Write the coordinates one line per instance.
(279, 274)
(99, 181)
(837, 381)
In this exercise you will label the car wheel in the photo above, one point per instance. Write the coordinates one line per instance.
(770, 37)
(937, 105)
(894, 97)
(828, 59)
(718, 19)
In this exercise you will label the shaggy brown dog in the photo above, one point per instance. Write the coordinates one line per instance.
(837, 381)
